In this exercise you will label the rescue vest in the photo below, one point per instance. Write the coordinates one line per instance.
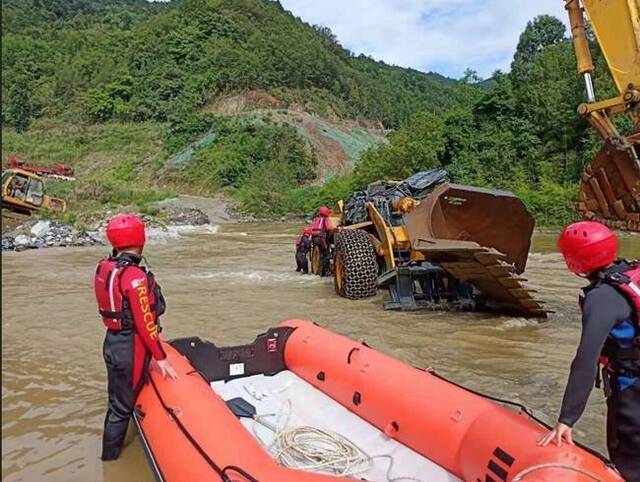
(621, 351)
(319, 225)
(113, 304)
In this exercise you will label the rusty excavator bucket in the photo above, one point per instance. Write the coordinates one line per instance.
(479, 236)
(610, 187)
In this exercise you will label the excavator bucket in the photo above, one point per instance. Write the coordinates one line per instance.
(610, 187)
(481, 237)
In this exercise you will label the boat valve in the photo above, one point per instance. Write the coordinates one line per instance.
(391, 430)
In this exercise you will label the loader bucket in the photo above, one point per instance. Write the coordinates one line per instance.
(610, 187)
(453, 214)
(478, 236)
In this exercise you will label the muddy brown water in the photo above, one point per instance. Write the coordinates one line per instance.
(228, 287)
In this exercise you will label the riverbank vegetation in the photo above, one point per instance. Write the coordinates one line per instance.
(122, 90)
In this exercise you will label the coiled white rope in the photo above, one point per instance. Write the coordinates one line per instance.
(315, 449)
(321, 450)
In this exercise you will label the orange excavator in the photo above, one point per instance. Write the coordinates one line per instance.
(610, 187)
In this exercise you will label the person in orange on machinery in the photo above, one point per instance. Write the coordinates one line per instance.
(303, 246)
(322, 233)
(130, 303)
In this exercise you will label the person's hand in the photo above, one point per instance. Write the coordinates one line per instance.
(559, 432)
(166, 369)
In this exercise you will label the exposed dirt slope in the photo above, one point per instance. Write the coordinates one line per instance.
(337, 142)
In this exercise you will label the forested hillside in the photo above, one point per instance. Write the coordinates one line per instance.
(121, 88)
(133, 95)
(95, 60)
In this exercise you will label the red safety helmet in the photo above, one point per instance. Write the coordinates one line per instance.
(588, 246)
(324, 211)
(307, 230)
(125, 231)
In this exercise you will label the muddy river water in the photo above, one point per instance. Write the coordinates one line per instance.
(228, 286)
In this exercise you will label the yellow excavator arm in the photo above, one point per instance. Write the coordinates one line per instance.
(610, 188)
(617, 28)
(616, 25)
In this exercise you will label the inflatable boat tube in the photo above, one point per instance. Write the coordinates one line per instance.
(414, 424)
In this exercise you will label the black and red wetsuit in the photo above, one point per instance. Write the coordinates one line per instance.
(130, 303)
(609, 318)
(303, 245)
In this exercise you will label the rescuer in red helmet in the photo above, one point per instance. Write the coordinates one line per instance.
(130, 303)
(609, 349)
(322, 231)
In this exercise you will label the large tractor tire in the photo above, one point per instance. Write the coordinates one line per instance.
(356, 265)
(315, 260)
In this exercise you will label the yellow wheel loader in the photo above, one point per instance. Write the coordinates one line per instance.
(24, 192)
(435, 245)
(610, 187)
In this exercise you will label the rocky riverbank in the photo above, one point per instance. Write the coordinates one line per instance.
(36, 234)
(173, 218)
(166, 226)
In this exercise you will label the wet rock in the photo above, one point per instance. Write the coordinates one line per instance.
(21, 240)
(215, 210)
(40, 228)
(182, 216)
(27, 225)
(12, 234)
(99, 225)
(7, 244)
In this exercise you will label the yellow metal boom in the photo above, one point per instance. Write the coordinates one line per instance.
(616, 25)
(610, 186)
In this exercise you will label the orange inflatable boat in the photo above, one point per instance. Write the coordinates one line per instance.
(303, 404)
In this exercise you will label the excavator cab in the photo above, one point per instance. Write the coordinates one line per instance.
(24, 192)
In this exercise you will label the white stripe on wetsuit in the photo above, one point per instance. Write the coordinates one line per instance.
(112, 302)
(635, 288)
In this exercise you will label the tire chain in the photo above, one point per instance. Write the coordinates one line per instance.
(360, 264)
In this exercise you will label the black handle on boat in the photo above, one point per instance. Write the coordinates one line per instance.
(243, 409)
(351, 352)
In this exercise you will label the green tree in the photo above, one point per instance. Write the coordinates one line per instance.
(419, 146)
(18, 106)
(470, 76)
(539, 33)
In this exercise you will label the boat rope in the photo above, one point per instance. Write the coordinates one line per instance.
(522, 474)
(524, 409)
(316, 449)
(221, 472)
